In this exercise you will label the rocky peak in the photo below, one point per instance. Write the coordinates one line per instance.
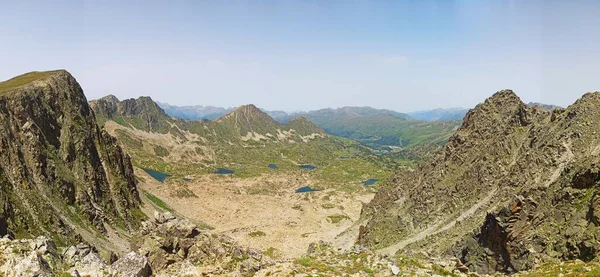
(152, 115)
(501, 109)
(589, 102)
(250, 113)
(110, 98)
(511, 181)
(54, 158)
(249, 119)
(142, 106)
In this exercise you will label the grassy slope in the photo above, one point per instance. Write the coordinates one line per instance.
(338, 160)
(414, 140)
(24, 79)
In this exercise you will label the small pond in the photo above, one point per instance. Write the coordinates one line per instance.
(223, 171)
(273, 166)
(370, 182)
(159, 176)
(305, 189)
(308, 166)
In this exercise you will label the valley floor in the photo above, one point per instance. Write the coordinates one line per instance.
(263, 212)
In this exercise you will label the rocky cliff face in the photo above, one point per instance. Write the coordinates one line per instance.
(60, 174)
(515, 186)
(142, 113)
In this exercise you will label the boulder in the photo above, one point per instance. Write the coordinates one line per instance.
(161, 218)
(31, 265)
(91, 265)
(131, 265)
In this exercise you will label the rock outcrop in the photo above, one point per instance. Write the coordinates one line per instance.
(165, 246)
(534, 170)
(171, 244)
(59, 172)
(142, 113)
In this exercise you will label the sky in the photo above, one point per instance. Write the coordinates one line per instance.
(306, 55)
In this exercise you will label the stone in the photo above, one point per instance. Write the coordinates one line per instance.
(92, 265)
(31, 265)
(131, 265)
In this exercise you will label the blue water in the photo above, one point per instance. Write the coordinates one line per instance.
(224, 171)
(305, 189)
(308, 166)
(370, 182)
(273, 166)
(159, 176)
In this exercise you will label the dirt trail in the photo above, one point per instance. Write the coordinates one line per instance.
(348, 238)
(567, 157)
(437, 228)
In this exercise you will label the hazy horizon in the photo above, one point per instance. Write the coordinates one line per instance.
(301, 56)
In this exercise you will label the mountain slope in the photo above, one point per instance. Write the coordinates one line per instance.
(534, 170)
(60, 174)
(395, 133)
(245, 140)
(382, 129)
(327, 115)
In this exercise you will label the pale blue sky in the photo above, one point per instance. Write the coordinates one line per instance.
(303, 55)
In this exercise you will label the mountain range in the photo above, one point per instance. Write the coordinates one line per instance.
(245, 140)
(515, 189)
(397, 133)
(440, 114)
(211, 113)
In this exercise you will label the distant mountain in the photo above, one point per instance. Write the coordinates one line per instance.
(378, 128)
(327, 115)
(280, 116)
(543, 106)
(194, 112)
(245, 140)
(414, 137)
(211, 113)
(440, 114)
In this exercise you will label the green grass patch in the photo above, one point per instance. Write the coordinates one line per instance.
(272, 253)
(156, 201)
(337, 218)
(328, 206)
(256, 234)
(161, 151)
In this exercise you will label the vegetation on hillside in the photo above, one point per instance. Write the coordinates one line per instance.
(246, 141)
(24, 79)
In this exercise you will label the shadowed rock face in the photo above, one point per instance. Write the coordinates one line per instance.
(57, 167)
(540, 168)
